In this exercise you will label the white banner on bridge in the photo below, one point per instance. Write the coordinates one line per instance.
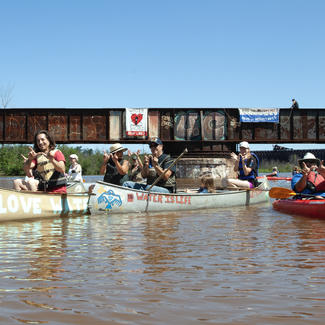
(259, 115)
(136, 121)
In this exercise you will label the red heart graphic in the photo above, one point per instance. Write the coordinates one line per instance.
(136, 118)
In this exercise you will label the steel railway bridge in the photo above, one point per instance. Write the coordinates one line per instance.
(206, 132)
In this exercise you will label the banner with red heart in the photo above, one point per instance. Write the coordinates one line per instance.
(136, 121)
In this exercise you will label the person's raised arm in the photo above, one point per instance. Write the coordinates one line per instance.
(121, 168)
(145, 169)
(29, 163)
(58, 165)
(302, 183)
(106, 157)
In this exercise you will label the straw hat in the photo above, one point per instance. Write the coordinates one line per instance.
(309, 157)
(116, 147)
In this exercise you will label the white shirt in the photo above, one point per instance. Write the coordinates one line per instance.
(75, 173)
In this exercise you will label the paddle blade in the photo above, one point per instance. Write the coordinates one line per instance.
(281, 193)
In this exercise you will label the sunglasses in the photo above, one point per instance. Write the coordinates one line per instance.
(153, 145)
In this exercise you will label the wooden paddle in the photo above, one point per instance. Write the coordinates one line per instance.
(166, 170)
(285, 193)
(162, 175)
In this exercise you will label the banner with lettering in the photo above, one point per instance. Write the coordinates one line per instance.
(259, 115)
(136, 121)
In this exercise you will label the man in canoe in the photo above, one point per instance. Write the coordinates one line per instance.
(114, 167)
(246, 165)
(157, 166)
(311, 178)
(49, 162)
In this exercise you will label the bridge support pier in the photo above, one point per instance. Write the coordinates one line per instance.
(189, 170)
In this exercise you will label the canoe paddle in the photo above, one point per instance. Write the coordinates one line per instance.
(162, 175)
(285, 193)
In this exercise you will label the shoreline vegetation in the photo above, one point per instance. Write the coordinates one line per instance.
(11, 162)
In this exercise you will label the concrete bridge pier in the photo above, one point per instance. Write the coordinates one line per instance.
(189, 170)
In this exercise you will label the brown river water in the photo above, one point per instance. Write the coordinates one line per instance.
(247, 265)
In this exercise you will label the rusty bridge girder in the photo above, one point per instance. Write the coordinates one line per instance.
(204, 131)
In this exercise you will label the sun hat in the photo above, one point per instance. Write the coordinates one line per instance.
(244, 144)
(309, 157)
(116, 147)
(73, 156)
(156, 141)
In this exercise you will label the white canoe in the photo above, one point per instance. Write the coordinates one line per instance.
(16, 205)
(117, 199)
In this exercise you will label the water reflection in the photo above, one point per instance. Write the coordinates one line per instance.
(159, 243)
(235, 266)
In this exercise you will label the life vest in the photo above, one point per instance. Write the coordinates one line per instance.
(170, 184)
(315, 182)
(49, 177)
(112, 175)
(254, 172)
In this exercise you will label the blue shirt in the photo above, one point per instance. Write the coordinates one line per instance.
(203, 190)
(295, 179)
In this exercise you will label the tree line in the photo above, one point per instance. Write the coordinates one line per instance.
(11, 161)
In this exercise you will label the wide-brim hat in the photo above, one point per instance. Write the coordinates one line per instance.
(309, 157)
(73, 156)
(116, 147)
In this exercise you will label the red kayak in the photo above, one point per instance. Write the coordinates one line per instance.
(273, 178)
(307, 208)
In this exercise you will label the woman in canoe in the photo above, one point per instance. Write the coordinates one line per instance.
(115, 168)
(48, 161)
(246, 165)
(136, 166)
(75, 170)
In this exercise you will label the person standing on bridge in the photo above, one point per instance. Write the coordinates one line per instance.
(114, 167)
(246, 165)
(154, 166)
(295, 104)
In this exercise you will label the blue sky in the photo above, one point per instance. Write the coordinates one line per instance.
(168, 53)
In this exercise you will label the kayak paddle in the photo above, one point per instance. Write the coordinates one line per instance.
(285, 193)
